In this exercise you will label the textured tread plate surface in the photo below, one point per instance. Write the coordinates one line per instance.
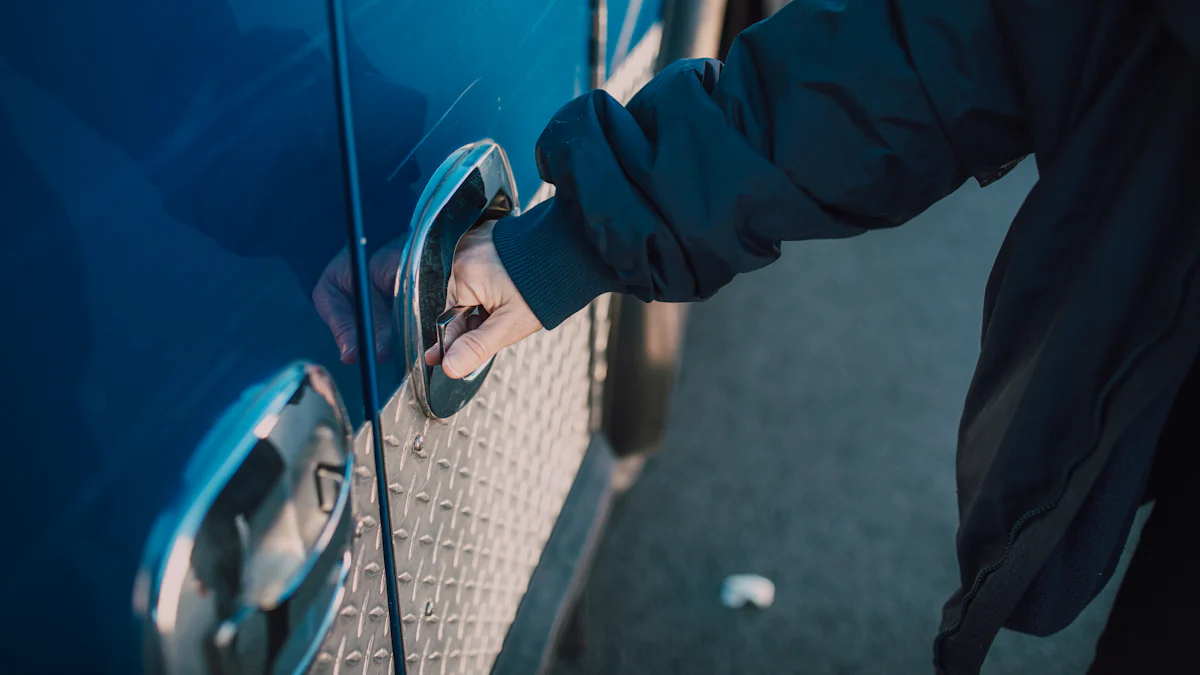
(473, 499)
(359, 640)
(473, 505)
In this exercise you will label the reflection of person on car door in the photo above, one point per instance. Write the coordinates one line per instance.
(237, 131)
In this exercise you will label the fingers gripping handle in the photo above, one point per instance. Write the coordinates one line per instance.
(445, 338)
(473, 185)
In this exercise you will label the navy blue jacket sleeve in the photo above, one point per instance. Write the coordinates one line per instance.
(827, 120)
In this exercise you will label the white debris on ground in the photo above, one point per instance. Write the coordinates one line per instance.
(742, 589)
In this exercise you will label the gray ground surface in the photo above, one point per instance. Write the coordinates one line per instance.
(812, 441)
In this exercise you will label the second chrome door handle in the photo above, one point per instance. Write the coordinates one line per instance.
(244, 574)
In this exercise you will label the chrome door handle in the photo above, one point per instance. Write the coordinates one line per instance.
(245, 572)
(473, 185)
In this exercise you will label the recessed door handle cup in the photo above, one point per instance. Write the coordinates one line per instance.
(246, 571)
(475, 184)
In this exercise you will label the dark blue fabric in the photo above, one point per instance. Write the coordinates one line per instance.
(697, 180)
(834, 118)
(1088, 553)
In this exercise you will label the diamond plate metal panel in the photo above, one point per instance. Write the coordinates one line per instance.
(473, 500)
(601, 310)
(358, 640)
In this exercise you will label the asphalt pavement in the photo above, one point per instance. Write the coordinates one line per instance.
(812, 441)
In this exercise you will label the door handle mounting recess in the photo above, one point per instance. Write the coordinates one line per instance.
(245, 572)
(475, 184)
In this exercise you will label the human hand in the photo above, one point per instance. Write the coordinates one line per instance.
(333, 297)
(479, 278)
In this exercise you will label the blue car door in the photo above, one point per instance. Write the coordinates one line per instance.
(224, 458)
(173, 194)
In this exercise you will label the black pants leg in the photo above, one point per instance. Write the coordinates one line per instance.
(1154, 626)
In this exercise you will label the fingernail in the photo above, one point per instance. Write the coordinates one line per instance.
(450, 364)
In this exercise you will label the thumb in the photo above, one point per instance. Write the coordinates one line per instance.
(474, 347)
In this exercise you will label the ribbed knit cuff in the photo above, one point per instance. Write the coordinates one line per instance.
(548, 255)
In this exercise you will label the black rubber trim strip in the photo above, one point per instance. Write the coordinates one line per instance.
(357, 245)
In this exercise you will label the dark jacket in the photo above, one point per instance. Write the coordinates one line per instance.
(834, 118)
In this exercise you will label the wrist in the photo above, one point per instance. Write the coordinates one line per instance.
(550, 259)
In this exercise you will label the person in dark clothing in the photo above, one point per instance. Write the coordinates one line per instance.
(832, 119)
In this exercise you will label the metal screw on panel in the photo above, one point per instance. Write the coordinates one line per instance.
(363, 524)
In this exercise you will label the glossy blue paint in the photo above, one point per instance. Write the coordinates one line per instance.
(172, 193)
